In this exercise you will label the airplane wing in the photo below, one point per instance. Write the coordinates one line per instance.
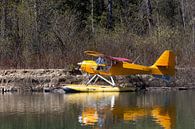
(94, 53)
(98, 54)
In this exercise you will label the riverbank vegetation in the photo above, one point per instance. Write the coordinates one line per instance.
(54, 33)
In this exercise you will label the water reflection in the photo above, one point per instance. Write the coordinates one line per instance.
(157, 110)
(31, 103)
(105, 109)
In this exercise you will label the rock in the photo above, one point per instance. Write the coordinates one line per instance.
(59, 91)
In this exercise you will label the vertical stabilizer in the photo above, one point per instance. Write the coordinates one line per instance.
(165, 65)
(167, 59)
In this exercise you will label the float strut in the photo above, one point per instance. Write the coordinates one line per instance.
(97, 76)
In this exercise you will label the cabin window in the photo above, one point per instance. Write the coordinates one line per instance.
(103, 64)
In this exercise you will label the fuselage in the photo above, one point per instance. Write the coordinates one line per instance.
(119, 68)
(123, 68)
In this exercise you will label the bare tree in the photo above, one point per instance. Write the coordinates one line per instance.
(110, 14)
(183, 13)
(3, 18)
(149, 14)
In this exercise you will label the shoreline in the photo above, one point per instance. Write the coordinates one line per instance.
(40, 80)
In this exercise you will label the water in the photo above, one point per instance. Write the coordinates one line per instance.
(150, 110)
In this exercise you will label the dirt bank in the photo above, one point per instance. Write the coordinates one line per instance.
(34, 79)
(40, 79)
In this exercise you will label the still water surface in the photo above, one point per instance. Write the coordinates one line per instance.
(150, 110)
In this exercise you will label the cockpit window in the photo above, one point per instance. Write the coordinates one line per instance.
(103, 64)
(100, 60)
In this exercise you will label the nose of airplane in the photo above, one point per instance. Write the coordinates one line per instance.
(80, 63)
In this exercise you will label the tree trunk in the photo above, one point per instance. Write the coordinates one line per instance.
(102, 6)
(3, 19)
(193, 34)
(37, 47)
(16, 36)
(149, 14)
(110, 14)
(183, 14)
(92, 20)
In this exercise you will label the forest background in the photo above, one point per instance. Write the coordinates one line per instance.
(54, 33)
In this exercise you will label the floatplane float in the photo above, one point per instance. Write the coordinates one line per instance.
(105, 67)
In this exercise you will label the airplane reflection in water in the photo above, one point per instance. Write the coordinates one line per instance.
(99, 109)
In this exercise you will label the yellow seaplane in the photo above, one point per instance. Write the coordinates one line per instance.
(107, 66)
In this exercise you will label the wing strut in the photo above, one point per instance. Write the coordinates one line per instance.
(97, 76)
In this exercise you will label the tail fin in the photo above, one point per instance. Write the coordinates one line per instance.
(165, 65)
